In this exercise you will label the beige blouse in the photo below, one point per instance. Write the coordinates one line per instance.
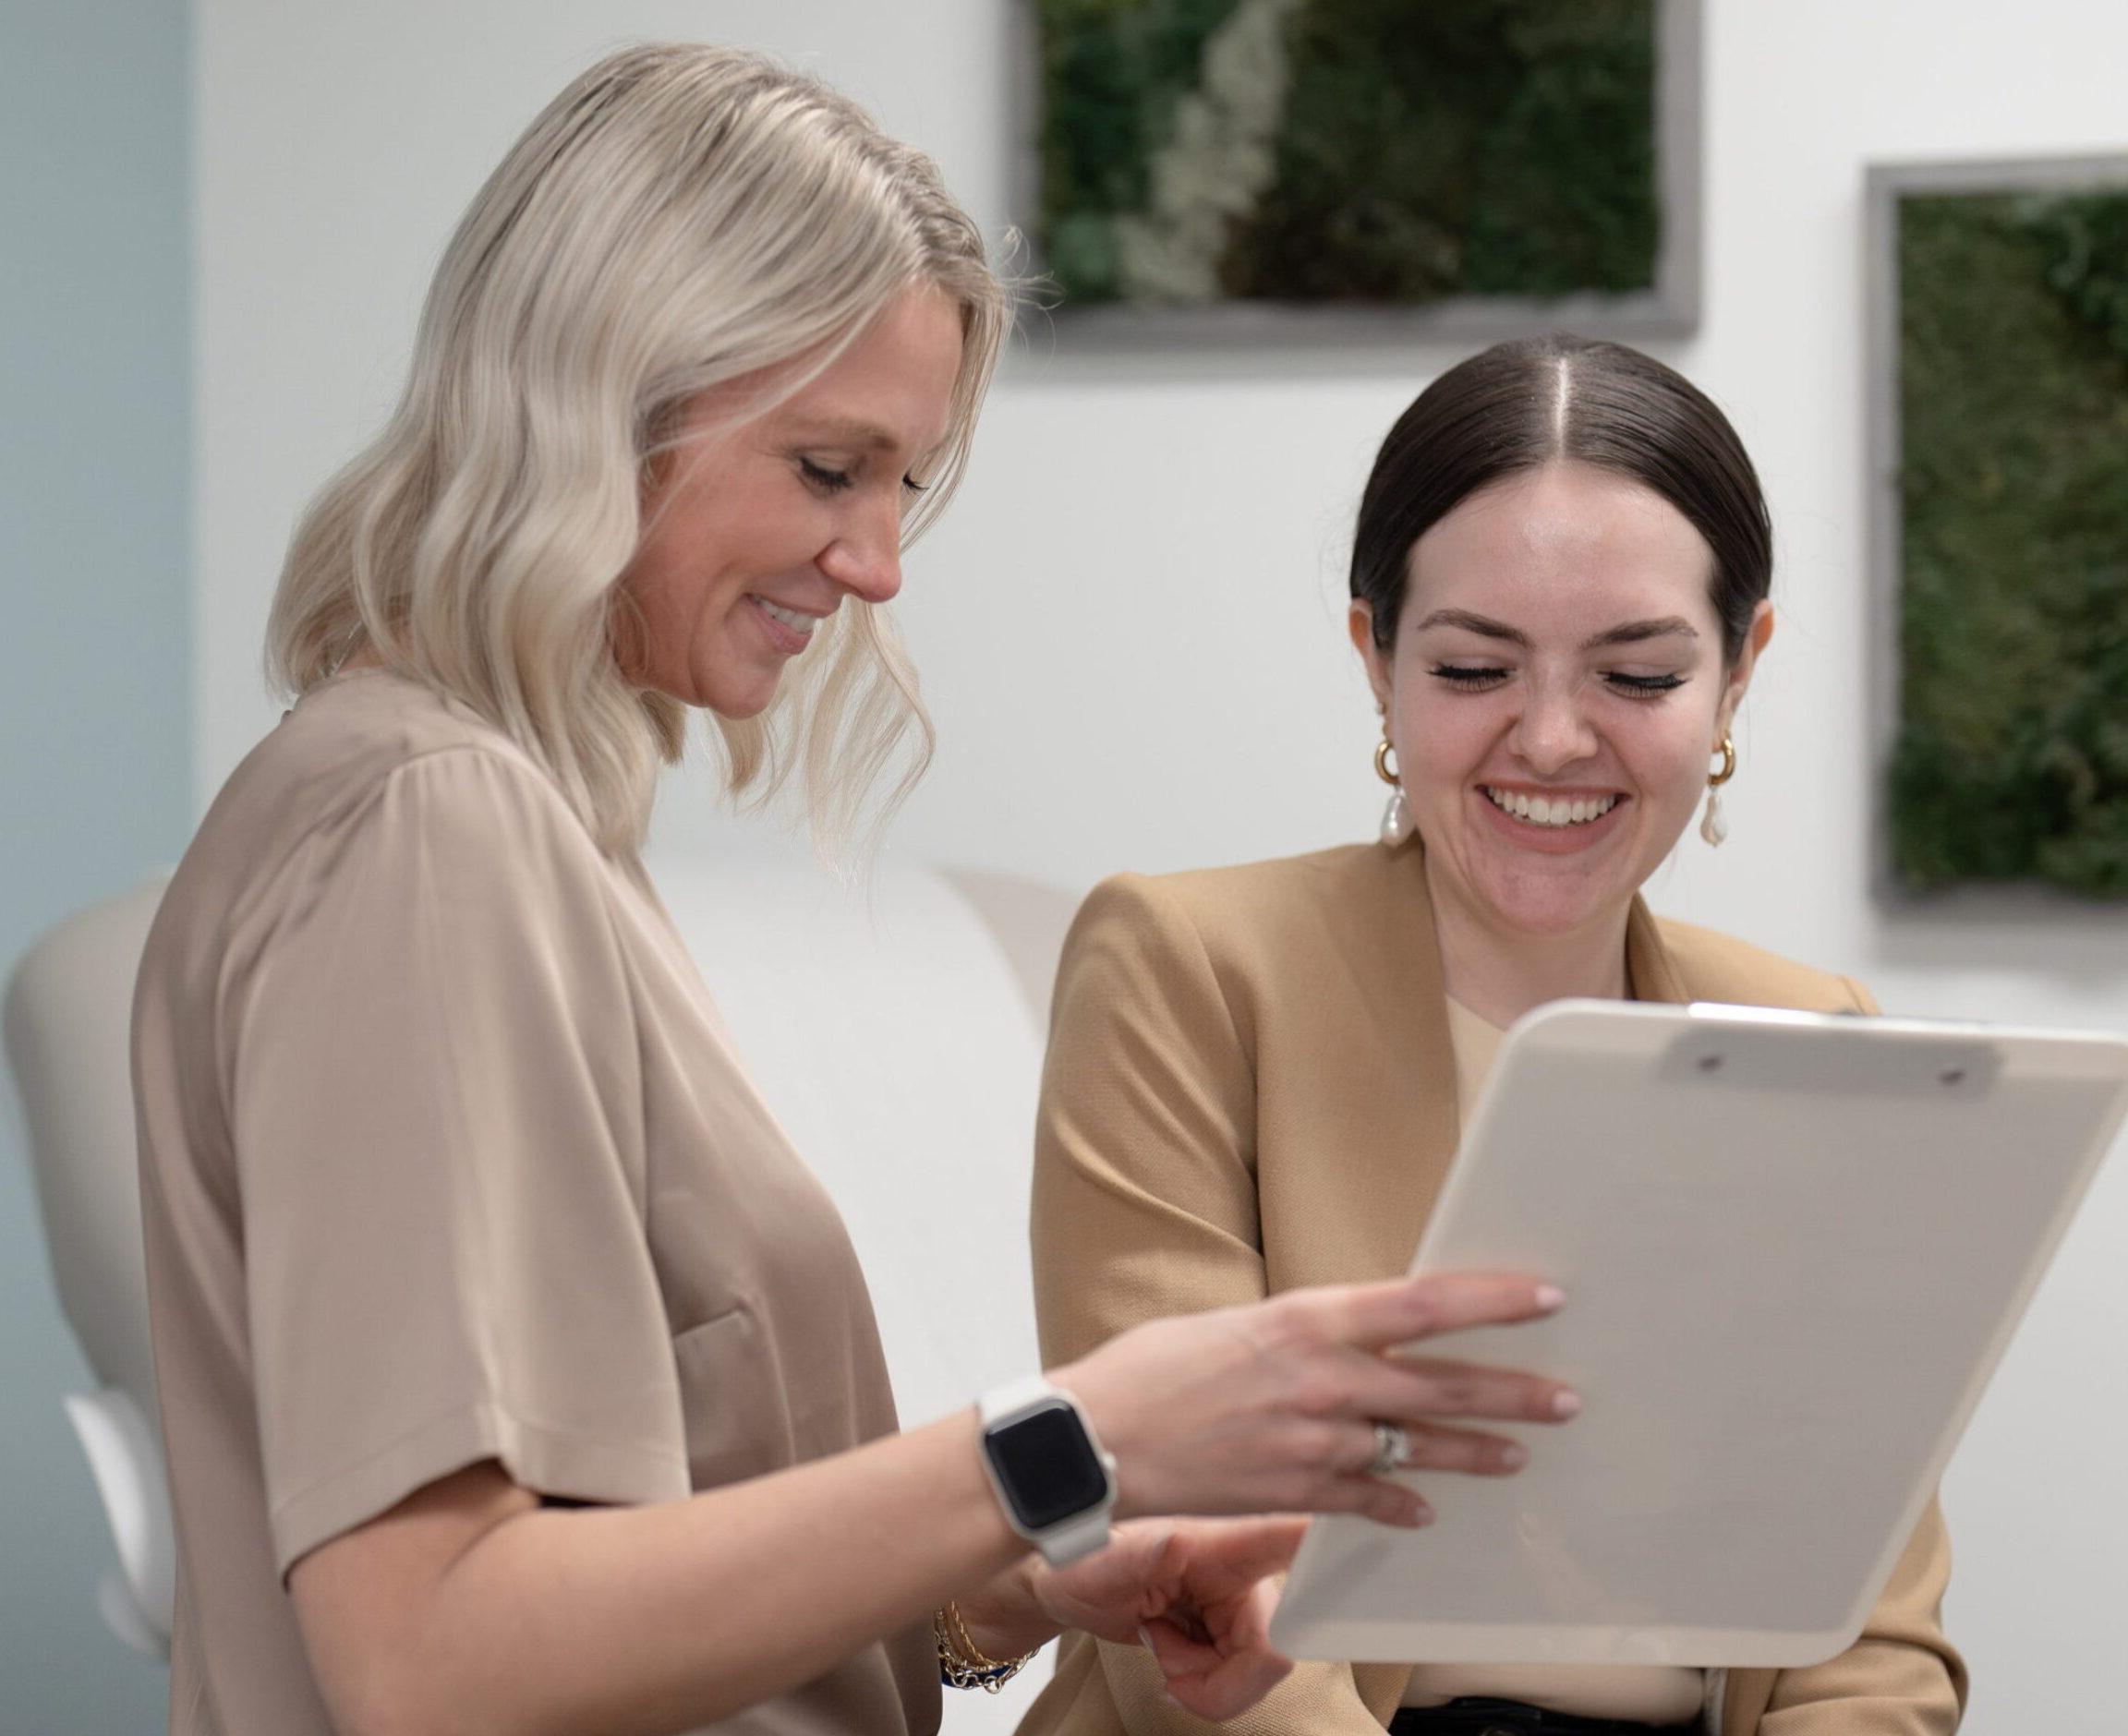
(446, 1157)
(1650, 1693)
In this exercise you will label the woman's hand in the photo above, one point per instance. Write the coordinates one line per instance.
(1272, 1408)
(1197, 1592)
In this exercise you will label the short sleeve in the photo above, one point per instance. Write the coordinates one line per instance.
(436, 1108)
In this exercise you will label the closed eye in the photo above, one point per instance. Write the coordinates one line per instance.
(834, 481)
(1477, 676)
(822, 477)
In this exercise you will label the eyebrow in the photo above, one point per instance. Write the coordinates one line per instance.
(1631, 632)
(848, 433)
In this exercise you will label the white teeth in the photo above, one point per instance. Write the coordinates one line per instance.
(790, 618)
(1543, 811)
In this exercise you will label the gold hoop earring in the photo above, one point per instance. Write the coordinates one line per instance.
(1728, 751)
(1712, 827)
(1396, 816)
(1382, 769)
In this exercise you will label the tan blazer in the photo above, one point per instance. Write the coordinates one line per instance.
(1249, 1087)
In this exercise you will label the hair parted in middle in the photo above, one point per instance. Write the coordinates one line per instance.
(1537, 400)
(680, 217)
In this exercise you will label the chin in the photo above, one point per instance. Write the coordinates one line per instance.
(736, 700)
(1541, 905)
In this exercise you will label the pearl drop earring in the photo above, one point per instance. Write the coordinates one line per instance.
(1712, 827)
(1396, 816)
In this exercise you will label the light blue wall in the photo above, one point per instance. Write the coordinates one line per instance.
(95, 711)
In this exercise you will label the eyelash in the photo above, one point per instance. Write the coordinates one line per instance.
(1480, 680)
(834, 481)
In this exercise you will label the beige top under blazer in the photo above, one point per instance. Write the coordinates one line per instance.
(1251, 1088)
(446, 1157)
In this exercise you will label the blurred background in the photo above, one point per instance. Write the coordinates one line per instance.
(216, 223)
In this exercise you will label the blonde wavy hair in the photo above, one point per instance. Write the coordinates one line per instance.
(679, 217)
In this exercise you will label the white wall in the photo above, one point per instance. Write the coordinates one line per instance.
(1130, 628)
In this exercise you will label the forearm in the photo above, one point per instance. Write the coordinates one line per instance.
(666, 1618)
(1901, 1676)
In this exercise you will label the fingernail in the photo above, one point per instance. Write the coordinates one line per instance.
(1565, 1404)
(1550, 1296)
(1422, 1515)
(1146, 1639)
(1512, 1458)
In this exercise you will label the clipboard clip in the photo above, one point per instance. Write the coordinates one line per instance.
(1770, 1049)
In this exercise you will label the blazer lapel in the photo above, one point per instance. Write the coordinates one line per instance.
(1407, 1128)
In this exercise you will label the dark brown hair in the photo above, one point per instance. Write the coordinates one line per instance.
(1526, 404)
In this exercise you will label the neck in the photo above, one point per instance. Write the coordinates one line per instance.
(1500, 975)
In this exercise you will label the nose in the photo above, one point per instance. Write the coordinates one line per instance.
(1552, 733)
(866, 559)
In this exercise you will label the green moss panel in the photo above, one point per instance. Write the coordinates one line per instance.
(2011, 760)
(1426, 149)
(1112, 73)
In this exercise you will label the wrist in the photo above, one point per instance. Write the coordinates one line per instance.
(1007, 1617)
(1112, 1419)
(1054, 1483)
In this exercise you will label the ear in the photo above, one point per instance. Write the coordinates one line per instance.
(1359, 623)
(1756, 639)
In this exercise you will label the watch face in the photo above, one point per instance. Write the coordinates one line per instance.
(1047, 1466)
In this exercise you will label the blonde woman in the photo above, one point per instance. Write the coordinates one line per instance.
(515, 1374)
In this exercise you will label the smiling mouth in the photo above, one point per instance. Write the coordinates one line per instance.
(1553, 811)
(788, 618)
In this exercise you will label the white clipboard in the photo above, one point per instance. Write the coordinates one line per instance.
(1795, 1247)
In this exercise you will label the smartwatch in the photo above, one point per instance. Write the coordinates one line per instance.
(1056, 1485)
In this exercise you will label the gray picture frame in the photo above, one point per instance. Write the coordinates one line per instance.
(1671, 309)
(1885, 184)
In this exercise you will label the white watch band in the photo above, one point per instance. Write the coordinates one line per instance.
(1083, 1532)
(1014, 1396)
(1075, 1538)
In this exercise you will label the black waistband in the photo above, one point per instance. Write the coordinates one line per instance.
(1510, 1717)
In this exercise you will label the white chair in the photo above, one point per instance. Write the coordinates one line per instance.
(895, 1028)
(68, 1006)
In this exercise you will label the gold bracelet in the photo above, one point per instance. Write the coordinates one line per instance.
(961, 1661)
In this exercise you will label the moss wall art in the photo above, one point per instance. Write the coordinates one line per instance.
(2010, 759)
(1396, 152)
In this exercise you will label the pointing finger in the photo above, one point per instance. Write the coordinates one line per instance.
(1377, 1315)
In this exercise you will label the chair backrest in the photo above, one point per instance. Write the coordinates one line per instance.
(69, 1009)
